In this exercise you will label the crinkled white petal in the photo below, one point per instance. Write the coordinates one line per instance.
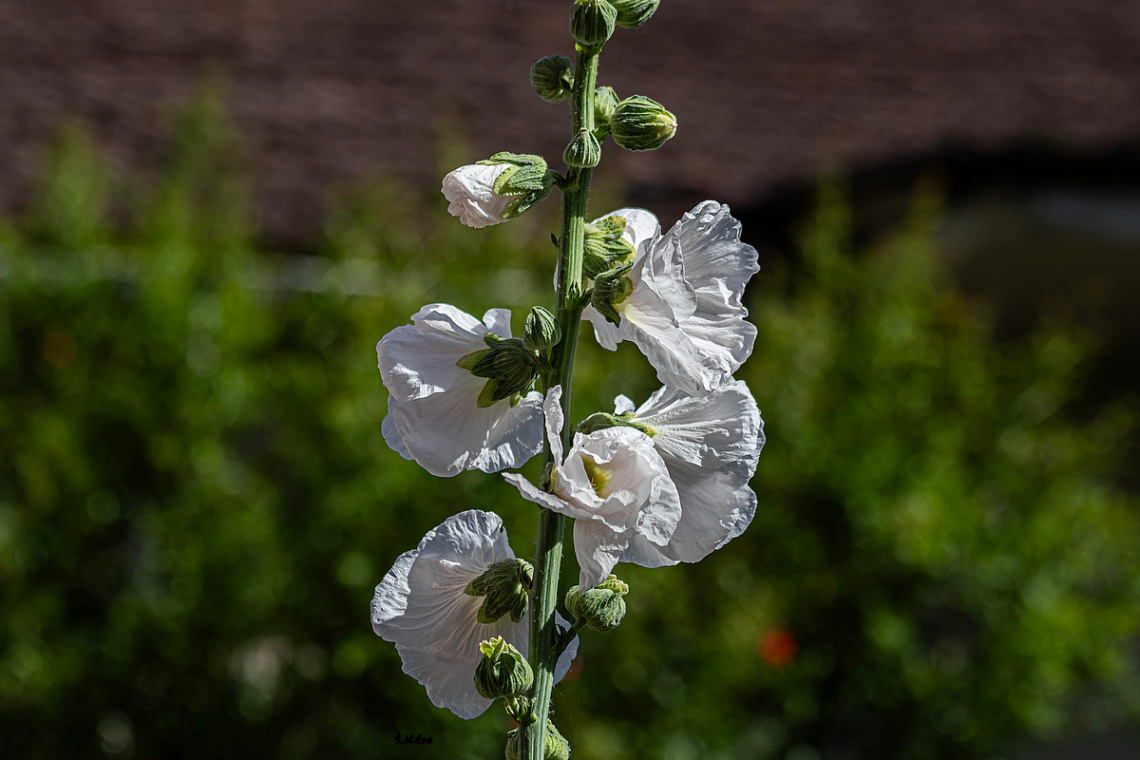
(638, 499)
(433, 414)
(685, 312)
(471, 196)
(421, 608)
(710, 445)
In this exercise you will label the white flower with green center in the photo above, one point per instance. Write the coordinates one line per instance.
(710, 445)
(422, 606)
(681, 302)
(495, 190)
(438, 411)
(616, 487)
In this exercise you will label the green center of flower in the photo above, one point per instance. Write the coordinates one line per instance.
(599, 476)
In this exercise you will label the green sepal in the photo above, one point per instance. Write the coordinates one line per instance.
(603, 420)
(468, 361)
(610, 289)
(505, 584)
(605, 247)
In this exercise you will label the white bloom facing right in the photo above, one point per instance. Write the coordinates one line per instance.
(711, 445)
(421, 607)
(685, 312)
(615, 486)
(433, 413)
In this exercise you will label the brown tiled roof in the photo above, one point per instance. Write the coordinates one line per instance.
(328, 93)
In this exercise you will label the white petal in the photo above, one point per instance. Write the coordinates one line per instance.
(471, 195)
(433, 414)
(420, 606)
(723, 426)
(598, 549)
(555, 420)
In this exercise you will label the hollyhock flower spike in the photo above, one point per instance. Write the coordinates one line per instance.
(615, 486)
(680, 302)
(710, 445)
(423, 606)
(439, 412)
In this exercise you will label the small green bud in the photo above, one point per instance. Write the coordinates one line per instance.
(605, 101)
(603, 420)
(505, 584)
(542, 331)
(605, 247)
(592, 22)
(602, 607)
(639, 123)
(611, 289)
(502, 671)
(633, 13)
(584, 151)
(557, 748)
(552, 78)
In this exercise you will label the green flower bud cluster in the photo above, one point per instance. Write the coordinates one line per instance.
(611, 289)
(510, 369)
(526, 178)
(602, 607)
(552, 78)
(502, 671)
(506, 586)
(557, 748)
(605, 247)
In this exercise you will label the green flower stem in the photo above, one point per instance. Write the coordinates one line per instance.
(551, 525)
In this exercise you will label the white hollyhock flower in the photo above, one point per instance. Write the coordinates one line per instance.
(684, 311)
(615, 486)
(433, 414)
(471, 196)
(421, 607)
(710, 445)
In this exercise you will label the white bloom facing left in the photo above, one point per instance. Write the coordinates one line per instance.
(422, 608)
(685, 311)
(433, 412)
(615, 486)
(495, 190)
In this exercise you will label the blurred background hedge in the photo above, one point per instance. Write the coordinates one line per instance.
(195, 499)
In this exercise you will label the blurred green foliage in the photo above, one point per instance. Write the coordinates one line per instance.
(195, 499)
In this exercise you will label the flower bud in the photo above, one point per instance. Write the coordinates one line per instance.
(557, 748)
(552, 78)
(639, 123)
(633, 13)
(610, 289)
(505, 584)
(602, 607)
(502, 671)
(542, 331)
(592, 22)
(584, 151)
(605, 101)
(605, 247)
(500, 188)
